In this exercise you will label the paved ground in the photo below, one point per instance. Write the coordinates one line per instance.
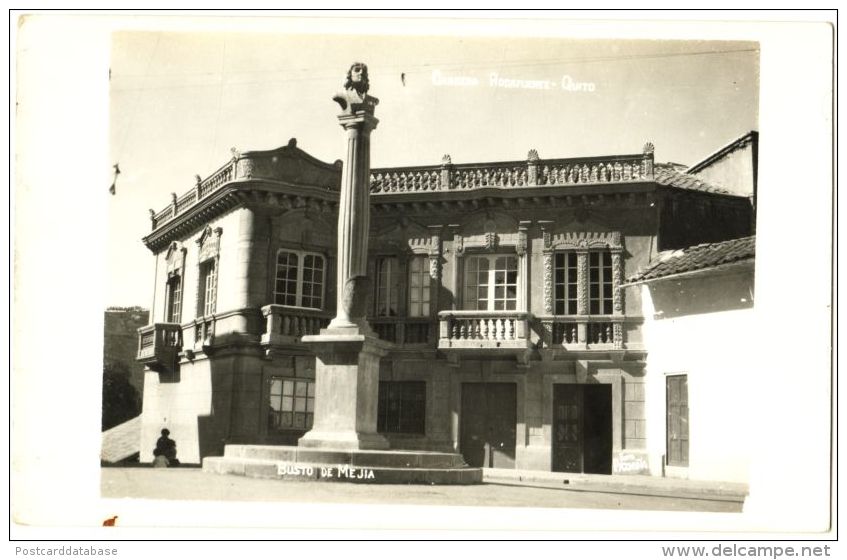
(193, 484)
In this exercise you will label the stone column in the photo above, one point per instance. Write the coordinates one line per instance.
(582, 294)
(347, 351)
(354, 219)
(244, 264)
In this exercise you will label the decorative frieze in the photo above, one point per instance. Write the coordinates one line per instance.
(584, 240)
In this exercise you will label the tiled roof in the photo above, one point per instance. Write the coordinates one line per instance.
(699, 257)
(667, 175)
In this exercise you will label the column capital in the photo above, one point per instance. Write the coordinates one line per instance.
(360, 121)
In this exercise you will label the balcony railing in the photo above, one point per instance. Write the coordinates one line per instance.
(287, 325)
(402, 330)
(159, 344)
(583, 331)
(531, 172)
(484, 330)
(514, 174)
(204, 332)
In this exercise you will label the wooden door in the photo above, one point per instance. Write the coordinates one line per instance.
(567, 428)
(677, 420)
(489, 424)
(582, 428)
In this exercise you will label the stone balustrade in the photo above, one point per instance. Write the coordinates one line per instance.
(580, 331)
(287, 325)
(217, 179)
(204, 332)
(402, 330)
(483, 329)
(159, 344)
(532, 172)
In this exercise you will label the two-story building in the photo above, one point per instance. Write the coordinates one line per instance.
(498, 284)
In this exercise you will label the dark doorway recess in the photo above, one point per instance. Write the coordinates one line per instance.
(582, 428)
(488, 427)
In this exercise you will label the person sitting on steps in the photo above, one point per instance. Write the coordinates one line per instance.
(165, 453)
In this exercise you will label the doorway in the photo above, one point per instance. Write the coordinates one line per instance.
(488, 426)
(582, 428)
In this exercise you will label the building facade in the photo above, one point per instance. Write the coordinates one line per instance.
(499, 285)
(698, 324)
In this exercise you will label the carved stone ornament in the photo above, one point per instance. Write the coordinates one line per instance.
(434, 267)
(584, 240)
(458, 245)
(175, 258)
(617, 279)
(445, 160)
(355, 296)
(354, 97)
(617, 335)
(548, 283)
(649, 148)
(532, 155)
(209, 243)
(521, 244)
(491, 241)
(582, 283)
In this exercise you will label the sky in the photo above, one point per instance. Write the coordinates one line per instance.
(178, 102)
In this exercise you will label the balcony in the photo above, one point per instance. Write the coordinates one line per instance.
(159, 345)
(286, 325)
(485, 332)
(583, 332)
(403, 332)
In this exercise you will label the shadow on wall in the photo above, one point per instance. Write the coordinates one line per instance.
(697, 296)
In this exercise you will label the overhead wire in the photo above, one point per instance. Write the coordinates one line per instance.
(321, 73)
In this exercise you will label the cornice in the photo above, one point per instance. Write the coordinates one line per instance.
(276, 195)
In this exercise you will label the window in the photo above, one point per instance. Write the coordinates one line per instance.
(565, 281)
(402, 407)
(299, 279)
(173, 299)
(677, 420)
(387, 287)
(292, 404)
(419, 287)
(208, 288)
(599, 283)
(491, 283)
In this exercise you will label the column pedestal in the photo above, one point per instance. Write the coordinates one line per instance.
(347, 391)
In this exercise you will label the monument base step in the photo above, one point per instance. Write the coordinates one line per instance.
(327, 465)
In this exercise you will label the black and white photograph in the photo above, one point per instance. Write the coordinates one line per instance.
(498, 274)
